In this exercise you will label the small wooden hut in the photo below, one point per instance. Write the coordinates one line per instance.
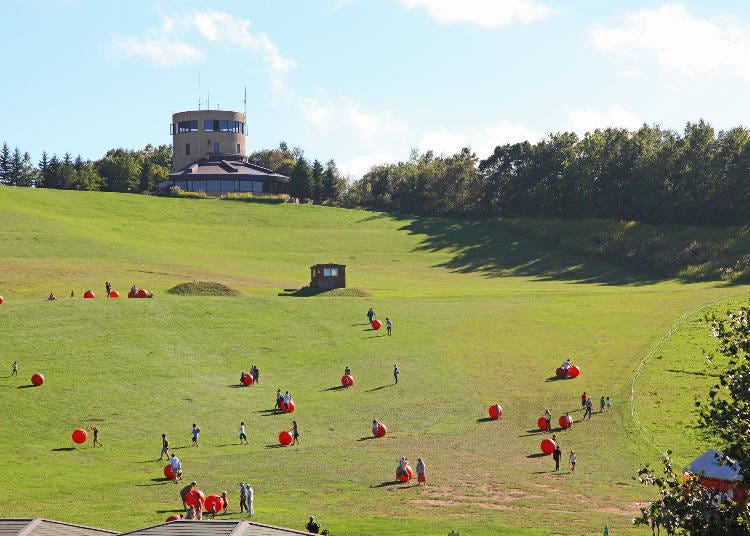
(328, 275)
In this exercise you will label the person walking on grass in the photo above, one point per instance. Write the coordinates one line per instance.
(589, 406)
(243, 497)
(602, 403)
(108, 288)
(256, 375)
(96, 436)
(14, 369)
(195, 433)
(243, 437)
(583, 400)
(295, 433)
(164, 446)
(370, 315)
(287, 398)
(609, 404)
(279, 398)
(396, 372)
(556, 455)
(388, 325)
(547, 420)
(249, 492)
(224, 501)
(421, 478)
(573, 462)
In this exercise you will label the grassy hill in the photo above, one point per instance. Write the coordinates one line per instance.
(480, 315)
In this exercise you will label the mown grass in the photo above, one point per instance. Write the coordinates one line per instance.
(480, 315)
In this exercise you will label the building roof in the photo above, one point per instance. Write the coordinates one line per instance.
(707, 465)
(182, 527)
(45, 527)
(226, 166)
(185, 527)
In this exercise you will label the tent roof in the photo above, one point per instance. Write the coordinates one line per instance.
(707, 464)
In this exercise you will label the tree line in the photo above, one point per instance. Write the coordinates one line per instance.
(651, 175)
(120, 170)
(141, 171)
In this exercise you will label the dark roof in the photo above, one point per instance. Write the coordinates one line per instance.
(186, 527)
(45, 527)
(219, 165)
(707, 465)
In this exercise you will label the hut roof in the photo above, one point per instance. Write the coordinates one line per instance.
(708, 465)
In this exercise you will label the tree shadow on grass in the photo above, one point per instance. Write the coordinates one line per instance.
(497, 251)
(64, 449)
(486, 419)
(379, 388)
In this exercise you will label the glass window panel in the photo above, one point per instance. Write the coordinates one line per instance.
(212, 186)
(216, 146)
(238, 148)
(246, 186)
(199, 186)
(227, 186)
(187, 149)
(208, 125)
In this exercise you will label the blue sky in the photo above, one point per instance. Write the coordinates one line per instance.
(365, 81)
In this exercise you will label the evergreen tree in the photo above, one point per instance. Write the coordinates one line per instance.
(14, 174)
(5, 158)
(42, 167)
(300, 181)
(317, 180)
(28, 173)
(332, 184)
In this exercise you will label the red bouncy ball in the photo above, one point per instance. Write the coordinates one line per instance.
(409, 471)
(79, 436)
(173, 517)
(88, 294)
(168, 472)
(1, 300)
(132, 295)
(496, 411)
(114, 294)
(142, 293)
(285, 437)
(37, 379)
(401, 477)
(375, 324)
(214, 504)
(560, 372)
(382, 430)
(547, 446)
(247, 379)
(565, 421)
(574, 371)
(193, 496)
(288, 408)
(347, 380)
(541, 423)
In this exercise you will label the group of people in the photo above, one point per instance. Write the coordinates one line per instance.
(388, 323)
(421, 475)
(246, 499)
(282, 401)
(588, 405)
(254, 374)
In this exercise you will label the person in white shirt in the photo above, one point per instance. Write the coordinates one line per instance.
(249, 494)
(243, 437)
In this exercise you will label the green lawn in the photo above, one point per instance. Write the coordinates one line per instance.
(479, 316)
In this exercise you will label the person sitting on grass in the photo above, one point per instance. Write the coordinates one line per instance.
(52, 297)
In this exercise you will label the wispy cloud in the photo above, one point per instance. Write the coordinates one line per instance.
(679, 41)
(345, 117)
(357, 166)
(167, 44)
(584, 120)
(484, 13)
(482, 140)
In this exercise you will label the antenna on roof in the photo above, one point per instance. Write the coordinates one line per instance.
(208, 105)
(245, 103)
(199, 90)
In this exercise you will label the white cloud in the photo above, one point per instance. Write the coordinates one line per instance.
(588, 119)
(482, 140)
(342, 116)
(679, 41)
(163, 47)
(484, 13)
(159, 46)
(357, 166)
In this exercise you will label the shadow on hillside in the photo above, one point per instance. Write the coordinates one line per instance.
(557, 378)
(336, 388)
(379, 388)
(496, 252)
(393, 483)
(538, 455)
(25, 386)
(485, 419)
(304, 292)
(63, 449)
